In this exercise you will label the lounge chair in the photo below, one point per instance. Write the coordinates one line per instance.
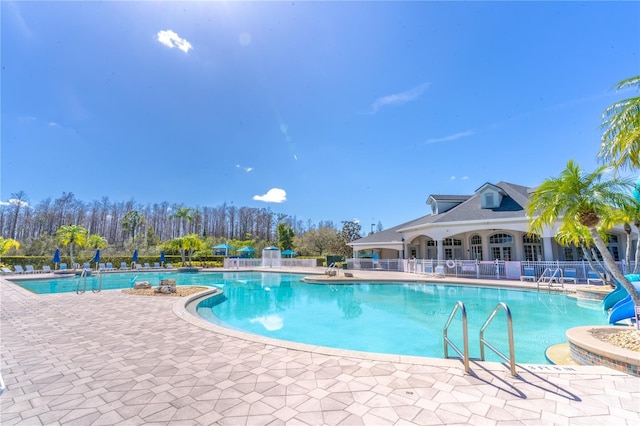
(6, 271)
(169, 266)
(146, 266)
(102, 267)
(529, 274)
(594, 278)
(19, 269)
(428, 269)
(29, 269)
(63, 266)
(569, 275)
(156, 265)
(86, 266)
(109, 267)
(138, 266)
(439, 271)
(123, 266)
(46, 269)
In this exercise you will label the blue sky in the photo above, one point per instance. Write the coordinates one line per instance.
(325, 110)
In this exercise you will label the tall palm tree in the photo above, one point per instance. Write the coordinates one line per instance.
(72, 235)
(584, 198)
(621, 138)
(183, 214)
(572, 233)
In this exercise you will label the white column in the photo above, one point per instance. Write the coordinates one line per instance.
(440, 249)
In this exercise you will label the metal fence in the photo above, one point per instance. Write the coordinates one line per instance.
(496, 270)
(231, 263)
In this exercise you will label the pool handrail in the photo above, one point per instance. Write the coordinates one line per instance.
(465, 336)
(512, 357)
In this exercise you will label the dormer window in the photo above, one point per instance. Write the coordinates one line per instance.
(490, 196)
(489, 201)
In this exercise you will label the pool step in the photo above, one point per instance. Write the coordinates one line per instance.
(560, 355)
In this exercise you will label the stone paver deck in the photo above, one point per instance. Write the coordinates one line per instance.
(111, 358)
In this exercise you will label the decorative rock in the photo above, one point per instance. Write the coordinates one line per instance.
(142, 285)
(166, 287)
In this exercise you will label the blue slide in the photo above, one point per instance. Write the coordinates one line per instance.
(618, 293)
(624, 308)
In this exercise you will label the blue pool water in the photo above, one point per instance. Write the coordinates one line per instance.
(117, 281)
(402, 318)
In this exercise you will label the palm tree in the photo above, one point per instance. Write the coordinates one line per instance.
(572, 233)
(72, 235)
(186, 245)
(621, 138)
(7, 244)
(183, 214)
(584, 198)
(131, 221)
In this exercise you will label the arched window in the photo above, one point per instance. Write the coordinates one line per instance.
(501, 246)
(532, 247)
(475, 247)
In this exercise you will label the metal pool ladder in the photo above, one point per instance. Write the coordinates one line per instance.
(83, 280)
(464, 355)
(512, 356)
(465, 336)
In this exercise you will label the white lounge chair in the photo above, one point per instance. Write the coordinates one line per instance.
(156, 265)
(19, 269)
(439, 271)
(146, 266)
(123, 266)
(6, 270)
(529, 274)
(102, 267)
(29, 269)
(46, 269)
(109, 266)
(63, 266)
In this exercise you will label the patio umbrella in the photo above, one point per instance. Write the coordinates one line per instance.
(134, 258)
(289, 253)
(225, 247)
(246, 251)
(56, 257)
(96, 257)
(162, 257)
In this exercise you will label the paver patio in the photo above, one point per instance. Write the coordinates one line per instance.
(111, 358)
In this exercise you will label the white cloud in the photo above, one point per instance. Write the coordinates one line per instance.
(14, 202)
(465, 177)
(246, 169)
(53, 124)
(172, 39)
(274, 195)
(451, 137)
(399, 98)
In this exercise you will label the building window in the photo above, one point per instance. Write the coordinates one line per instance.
(475, 247)
(501, 246)
(432, 250)
(532, 247)
(452, 248)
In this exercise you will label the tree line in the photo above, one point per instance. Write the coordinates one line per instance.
(127, 225)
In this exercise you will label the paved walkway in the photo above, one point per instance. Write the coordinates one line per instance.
(111, 358)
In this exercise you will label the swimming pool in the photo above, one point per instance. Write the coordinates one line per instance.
(114, 281)
(400, 318)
